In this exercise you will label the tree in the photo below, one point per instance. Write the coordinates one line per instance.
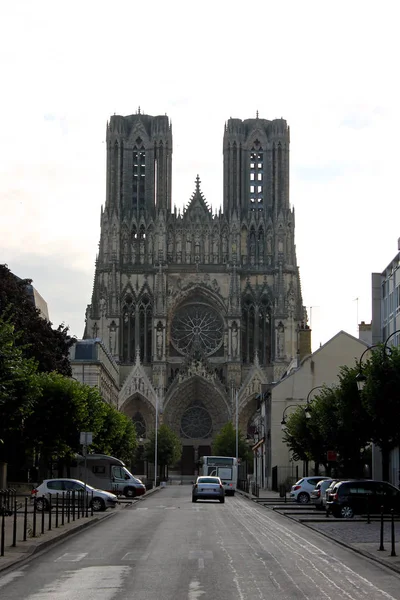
(38, 340)
(225, 443)
(169, 448)
(64, 408)
(117, 435)
(19, 390)
(381, 399)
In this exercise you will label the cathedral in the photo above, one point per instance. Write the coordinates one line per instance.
(198, 308)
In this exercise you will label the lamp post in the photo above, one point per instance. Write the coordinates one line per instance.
(237, 425)
(156, 443)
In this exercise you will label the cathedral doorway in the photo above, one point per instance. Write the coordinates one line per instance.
(196, 408)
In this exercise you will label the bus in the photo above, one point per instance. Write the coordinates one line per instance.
(224, 467)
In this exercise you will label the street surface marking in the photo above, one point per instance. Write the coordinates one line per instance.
(193, 554)
(10, 577)
(143, 508)
(69, 557)
(194, 590)
(102, 583)
(136, 555)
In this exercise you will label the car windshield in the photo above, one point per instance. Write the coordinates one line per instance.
(208, 480)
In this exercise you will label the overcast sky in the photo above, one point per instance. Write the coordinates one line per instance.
(329, 68)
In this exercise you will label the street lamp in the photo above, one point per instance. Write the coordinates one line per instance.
(307, 409)
(283, 422)
(360, 377)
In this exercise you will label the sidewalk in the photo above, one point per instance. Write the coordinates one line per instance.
(24, 549)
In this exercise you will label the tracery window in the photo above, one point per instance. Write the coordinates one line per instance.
(197, 324)
(256, 330)
(140, 425)
(196, 423)
(137, 329)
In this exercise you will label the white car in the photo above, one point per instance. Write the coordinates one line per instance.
(99, 499)
(301, 490)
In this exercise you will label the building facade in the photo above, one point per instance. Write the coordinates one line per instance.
(386, 322)
(192, 304)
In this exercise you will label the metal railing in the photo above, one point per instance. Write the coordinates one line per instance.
(31, 517)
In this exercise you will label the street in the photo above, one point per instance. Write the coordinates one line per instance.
(167, 548)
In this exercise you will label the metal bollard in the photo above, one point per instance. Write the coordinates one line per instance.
(68, 507)
(14, 542)
(91, 506)
(381, 546)
(50, 515)
(25, 518)
(57, 510)
(78, 516)
(368, 515)
(34, 518)
(63, 508)
(43, 505)
(73, 505)
(3, 534)
(393, 552)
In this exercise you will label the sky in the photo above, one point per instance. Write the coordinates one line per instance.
(330, 69)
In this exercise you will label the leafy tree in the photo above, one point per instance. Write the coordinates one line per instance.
(19, 390)
(117, 436)
(225, 443)
(37, 339)
(64, 409)
(169, 448)
(381, 399)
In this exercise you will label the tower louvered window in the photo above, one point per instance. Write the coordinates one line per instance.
(139, 175)
(256, 181)
(145, 329)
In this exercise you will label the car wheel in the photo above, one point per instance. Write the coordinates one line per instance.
(346, 512)
(222, 500)
(129, 492)
(41, 504)
(303, 498)
(194, 499)
(98, 504)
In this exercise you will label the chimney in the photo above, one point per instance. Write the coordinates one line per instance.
(304, 341)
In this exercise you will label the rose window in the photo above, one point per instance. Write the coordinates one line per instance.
(197, 324)
(196, 423)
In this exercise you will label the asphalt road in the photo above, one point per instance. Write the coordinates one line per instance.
(166, 548)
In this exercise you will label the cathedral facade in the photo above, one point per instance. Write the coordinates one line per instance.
(198, 308)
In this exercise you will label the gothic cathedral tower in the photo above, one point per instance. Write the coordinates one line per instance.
(194, 305)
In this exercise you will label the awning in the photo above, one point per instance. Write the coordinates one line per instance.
(258, 444)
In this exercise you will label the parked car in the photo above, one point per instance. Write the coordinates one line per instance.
(208, 488)
(302, 489)
(357, 497)
(318, 494)
(99, 499)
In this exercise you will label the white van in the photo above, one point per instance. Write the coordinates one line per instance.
(108, 473)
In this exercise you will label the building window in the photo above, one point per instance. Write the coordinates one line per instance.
(256, 174)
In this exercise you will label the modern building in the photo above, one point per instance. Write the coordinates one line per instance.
(273, 461)
(385, 323)
(386, 302)
(192, 304)
(92, 364)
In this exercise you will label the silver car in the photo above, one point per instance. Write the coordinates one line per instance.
(208, 488)
(317, 496)
(99, 499)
